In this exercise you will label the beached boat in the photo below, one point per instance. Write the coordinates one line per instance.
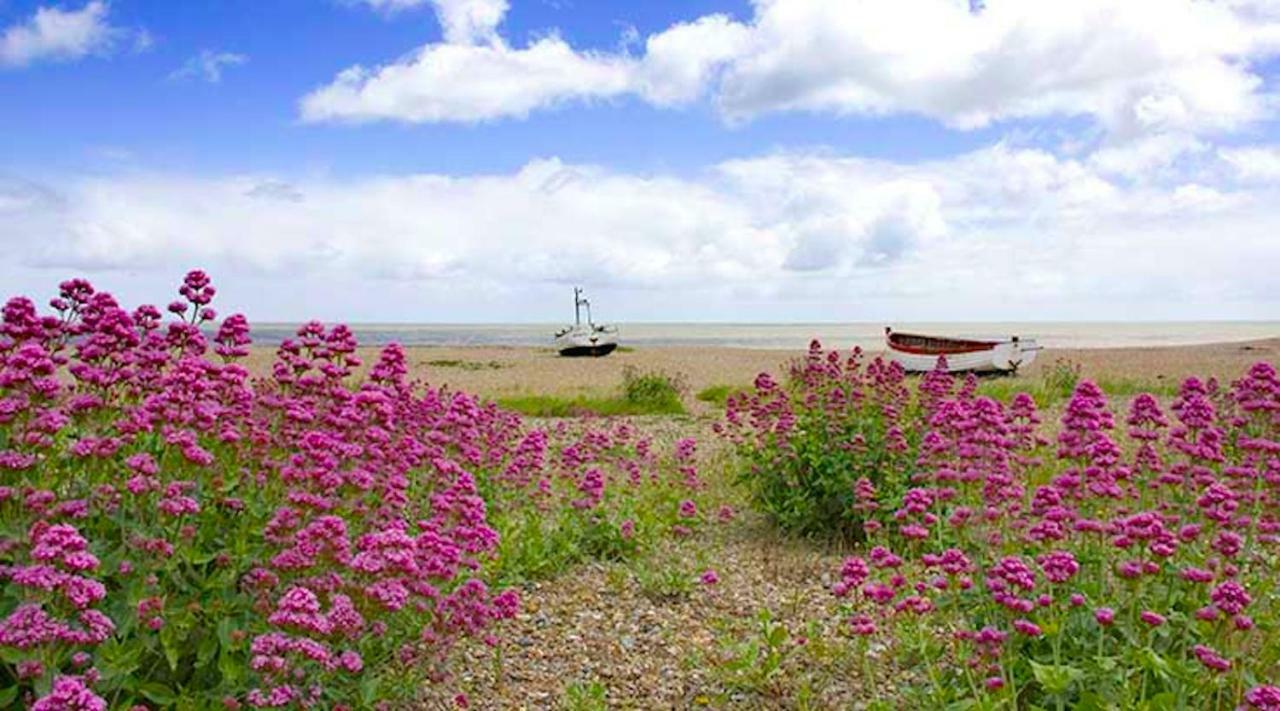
(585, 339)
(917, 353)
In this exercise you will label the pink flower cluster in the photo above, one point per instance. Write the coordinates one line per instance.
(256, 539)
(1038, 552)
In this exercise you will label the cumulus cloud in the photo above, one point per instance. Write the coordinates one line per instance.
(1254, 163)
(208, 65)
(1138, 67)
(56, 34)
(1001, 232)
(469, 83)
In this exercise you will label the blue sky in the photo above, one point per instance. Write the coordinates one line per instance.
(72, 116)
(456, 160)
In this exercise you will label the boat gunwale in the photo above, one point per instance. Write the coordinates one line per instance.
(938, 345)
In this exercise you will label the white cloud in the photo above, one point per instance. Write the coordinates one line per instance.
(680, 61)
(1137, 67)
(461, 21)
(1147, 157)
(470, 21)
(208, 65)
(1001, 232)
(55, 34)
(1260, 163)
(463, 82)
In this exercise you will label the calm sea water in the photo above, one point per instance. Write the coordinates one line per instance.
(798, 335)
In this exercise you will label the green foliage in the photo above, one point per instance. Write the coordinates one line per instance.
(641, 393)
(719, 394)
(544, 532)
(584, 696)
(663, 580)
(467, 364)
(1056, 383)
(584, 406)
(1061, 378)
(804, 445)
(654, 389)
(755, 663)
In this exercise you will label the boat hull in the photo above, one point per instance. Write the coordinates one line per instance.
(588, 351)
(997, 357)
(586, 342)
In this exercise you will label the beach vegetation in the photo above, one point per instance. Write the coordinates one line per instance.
(817, 448)
(586, 696)
(467, 364)
(718, 394)
(1122, 557)
(176, 531)
(655, 390)
(640, 393)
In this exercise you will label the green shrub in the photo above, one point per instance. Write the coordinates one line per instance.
(652, 389)
(805, 445)
(584, 696)
(1061, 378)
(641, 393)
(719, 394)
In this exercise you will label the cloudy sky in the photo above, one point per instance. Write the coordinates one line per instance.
(744, 160)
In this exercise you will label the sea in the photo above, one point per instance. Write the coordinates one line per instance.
(791, 336)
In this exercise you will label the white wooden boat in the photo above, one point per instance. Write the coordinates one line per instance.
(918, 353)
(585, 339)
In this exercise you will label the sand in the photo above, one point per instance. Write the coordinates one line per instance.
(505, 371)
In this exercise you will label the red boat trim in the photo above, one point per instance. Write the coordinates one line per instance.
(930, 345)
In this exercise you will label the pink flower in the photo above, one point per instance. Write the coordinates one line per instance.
(709, 577)
(1211, 659)
(862, 625)
(1266, 698)
(69, 693)
(1105, 616)
(1230, 597)
(1027, 627)
(1152, 618)
(1059, 566)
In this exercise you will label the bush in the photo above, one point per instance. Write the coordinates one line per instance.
(821, 449)
(175, 532)
(653, 390)
(1108, 572)
(718, 394)
(1061, 378)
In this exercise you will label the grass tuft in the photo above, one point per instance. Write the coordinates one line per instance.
(642, 393)
(719, 394)
(467, 364)
(1056, 384)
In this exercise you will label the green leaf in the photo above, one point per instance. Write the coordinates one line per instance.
(171, 640)
(1153, 662)
(1161, 702)
(1055, 679)
(207, 649)
(230, 667)
(8, 696)
(369, 690)
(157, 692)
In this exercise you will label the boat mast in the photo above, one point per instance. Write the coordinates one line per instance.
(577, 303)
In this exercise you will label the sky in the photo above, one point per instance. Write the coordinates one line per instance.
(686, 160)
